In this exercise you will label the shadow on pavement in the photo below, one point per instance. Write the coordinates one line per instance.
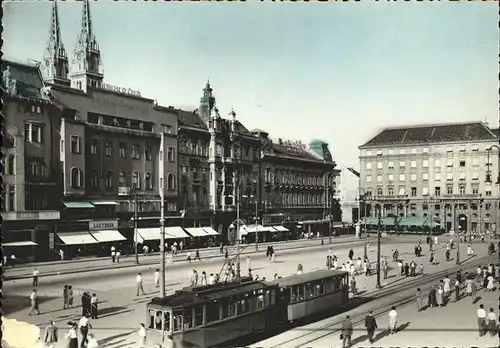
(108, 340)
(15, 303)
(358, 340)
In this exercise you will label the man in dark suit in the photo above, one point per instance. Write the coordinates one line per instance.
(346, 332)
(371, 325)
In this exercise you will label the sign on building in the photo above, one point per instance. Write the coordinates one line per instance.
(103, 225)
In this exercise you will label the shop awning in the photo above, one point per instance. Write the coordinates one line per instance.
(384, 221)
(256, 228)
(107, 236)
(176, 232)
(19, 244)
(413, 221)
(149, 233)
(210, 231)
(78, 205)
(196, 231)
(280, 228)
(106, 203)
(138, 238)
(75, 238)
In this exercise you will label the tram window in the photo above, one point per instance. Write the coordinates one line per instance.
(260, 301)
(243, 306)
(293, 294)
(188, 317)
(300, 292)
(267, 297)
(151, 319)
(166, 321)
(232, 308)
(198, 315)
(272, 300)
(177, 323)
(320, 289)
(158, 320)
(329, 286)
(309, 290)
(225, 308)
(212, 312)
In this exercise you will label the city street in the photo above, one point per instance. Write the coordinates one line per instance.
(121, 312)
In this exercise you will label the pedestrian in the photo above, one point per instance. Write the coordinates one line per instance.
(371, 325)
(91, 341)
(432, 301)
(393, 320)
(211, 279)
(113, 254)
(70, 296)
(35, 277)
(142, 336)
(421, 269)
(385, 268)
(446, 285)
(481, 320)
(189, 256)
(491, 281)
(226, 253)
(72, 335)
(84, 303)
(139, 284)
(61, 254)
(34, 302)
(401, 267)
(157, 277)
(181, 246)
(50, 337)
(194, 278)
(354, 290)
(118, 255)
(457, 290)
(492, 322)
(413, 269)
(468, 287)
(249, 263)
(419, 300)
(439, 297)
(346, 334)
(84, 325)
(474, 291)
(407, 269)
(203, 280)
(65, 297)
(93, 306)
(351, 254)
(197, 255)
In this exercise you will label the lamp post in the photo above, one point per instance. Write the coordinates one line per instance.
(379, 236)
(136, 233)
(457, 232)
(162, 214)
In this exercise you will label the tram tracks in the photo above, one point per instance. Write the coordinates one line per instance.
(357, 314)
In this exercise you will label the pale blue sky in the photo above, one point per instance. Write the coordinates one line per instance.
(338, 71)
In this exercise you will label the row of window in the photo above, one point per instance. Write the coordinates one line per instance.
(425, 177)
(123, 181)
(426, 149)
(196, 316)
(401, 191)
(9, 197)
(122, 149)
(302, 199)
(316, 288)
(33, 132)
(437, 207)
(288, 177)
(425, 163)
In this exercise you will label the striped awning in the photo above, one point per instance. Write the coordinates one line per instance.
(196, 231)
(75, 238)
(210, 231)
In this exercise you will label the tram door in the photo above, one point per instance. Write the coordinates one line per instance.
(167, 320)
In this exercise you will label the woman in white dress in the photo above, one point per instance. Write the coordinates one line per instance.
(446, 285)
(468, 287)
(393, 320)
(491, 282)
(439, 296)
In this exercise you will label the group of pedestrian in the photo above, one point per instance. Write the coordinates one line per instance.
(487, 322)
(83, 326)
(68, 296)
(409, 269)
(196, 256)
(89, 305)
(115, 255)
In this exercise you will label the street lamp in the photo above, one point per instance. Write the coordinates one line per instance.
(136, 232)
(379, 232)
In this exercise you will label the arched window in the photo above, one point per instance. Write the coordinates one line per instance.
(122, 179)
(11, 165)
(94, 179)
(136, 181)
(391, 191)
(76, 177)
(462, 189)
(148, 181)
(170, 182)
(379, 191)
(109, 179)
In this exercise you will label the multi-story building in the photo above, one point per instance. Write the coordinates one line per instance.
(31, 161)
(109, 145)
(437, 171)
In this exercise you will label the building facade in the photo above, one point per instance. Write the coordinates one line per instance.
(438, 172)
(31, 161)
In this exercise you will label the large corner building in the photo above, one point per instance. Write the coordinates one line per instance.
(440, 176)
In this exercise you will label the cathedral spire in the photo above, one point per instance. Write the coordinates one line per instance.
(87, 66)
(207, 102)
(55, 65)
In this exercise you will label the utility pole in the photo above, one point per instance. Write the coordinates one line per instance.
(456, 231)
(136, 233)
(162, 218)
(256, 224)
(238, 265)
(379, 236)
(328, 210)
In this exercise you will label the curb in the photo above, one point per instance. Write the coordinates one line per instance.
(149, 263)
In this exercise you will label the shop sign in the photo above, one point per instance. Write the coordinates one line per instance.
(52, 241)
(122, 90)
(30, 215)
(103, 225)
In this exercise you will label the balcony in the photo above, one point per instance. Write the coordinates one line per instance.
(123, 190)
(31, 215)
(462, 196)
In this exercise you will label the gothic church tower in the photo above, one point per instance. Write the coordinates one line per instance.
(86, 67)
(55, 60)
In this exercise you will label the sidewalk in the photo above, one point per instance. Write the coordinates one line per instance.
(95, 264)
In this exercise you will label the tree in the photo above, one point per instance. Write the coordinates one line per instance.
(336, 210)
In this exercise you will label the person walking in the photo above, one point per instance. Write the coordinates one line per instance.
(70, 296)
(439, 296)
(93, 306)
(393, 321)
(50, 337)
(197, 255)
(346, 332)
(457, 289)
(84, 325)
(481, 320)
(139, 284)
(492, 322)
(385, 268)
(371, 325)
(491, 283)
(118, 255)
(432, 301)
(474, 291)
(419, 297)
(35, 277)
(351, 254)
(189, 256)
(72, 335)
(34, 302)
(446, 285)
(401, 268)
(203, 280)
(65, 297)
(142, 336)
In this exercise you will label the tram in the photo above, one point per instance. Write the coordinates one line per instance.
(214, 315)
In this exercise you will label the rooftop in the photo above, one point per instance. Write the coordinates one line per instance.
(191, 119)
(432, 133)
(307, 277)
(28, 79)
